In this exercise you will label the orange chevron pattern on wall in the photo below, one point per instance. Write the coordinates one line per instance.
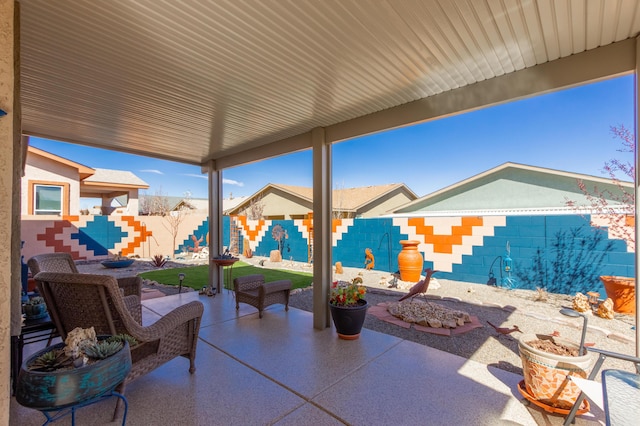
(444, 240)
(253, 230)
(338, 228)
(250, 231)
(444, 243)
(140, 233)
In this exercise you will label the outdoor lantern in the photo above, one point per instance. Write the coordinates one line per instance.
(508, 262)
(181, 278)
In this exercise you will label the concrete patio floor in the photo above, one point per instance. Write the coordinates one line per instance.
(279, 370)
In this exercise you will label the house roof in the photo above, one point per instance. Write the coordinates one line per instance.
(346, 199)
(95, 180)
(121, 178)
(242, 81)
(546, 176)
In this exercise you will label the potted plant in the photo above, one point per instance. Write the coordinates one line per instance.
(546, 362)
(35, 308)
(348, 307)
(81, 369)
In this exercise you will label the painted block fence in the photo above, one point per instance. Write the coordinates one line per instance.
(547, 251)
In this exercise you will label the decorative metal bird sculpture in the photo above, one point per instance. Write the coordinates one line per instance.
(420, 286)
(504, 330)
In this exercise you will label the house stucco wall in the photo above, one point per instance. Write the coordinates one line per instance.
(43, 170)
(517, 189)
(278, 203)
(131, 209)
(10, 170)
(384, 205)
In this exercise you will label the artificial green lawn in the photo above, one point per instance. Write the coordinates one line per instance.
(197, 277)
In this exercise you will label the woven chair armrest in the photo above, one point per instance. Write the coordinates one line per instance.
(132, 302)
(276, 286)
(130, 285)
(171, 321)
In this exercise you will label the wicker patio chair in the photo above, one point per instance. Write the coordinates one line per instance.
(252, 289)
(83, 300)
(63, 262)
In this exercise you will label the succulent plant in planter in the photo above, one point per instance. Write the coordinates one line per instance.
(83, 368)
(35, 308)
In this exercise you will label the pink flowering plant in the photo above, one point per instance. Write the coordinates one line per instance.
(347, 293)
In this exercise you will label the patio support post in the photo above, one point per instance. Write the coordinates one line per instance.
(322, 263)
(215, 225)
(636, 192)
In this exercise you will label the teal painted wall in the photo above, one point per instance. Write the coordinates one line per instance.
(563, 253)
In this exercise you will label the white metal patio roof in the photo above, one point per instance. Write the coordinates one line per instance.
(237, 81)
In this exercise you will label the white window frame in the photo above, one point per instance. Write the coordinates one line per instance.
(37, 211)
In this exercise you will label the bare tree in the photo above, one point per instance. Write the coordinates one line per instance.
(256, 208)
(617, 205)
(174, 218)
(155, 205)
(338, 207)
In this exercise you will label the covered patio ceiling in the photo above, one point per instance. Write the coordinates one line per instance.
(234, 82)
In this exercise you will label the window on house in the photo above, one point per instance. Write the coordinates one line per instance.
(48, 199)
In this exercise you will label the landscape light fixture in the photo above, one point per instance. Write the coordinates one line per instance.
(181, 278)
(575, 314)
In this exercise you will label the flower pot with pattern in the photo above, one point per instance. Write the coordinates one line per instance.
(545, 374)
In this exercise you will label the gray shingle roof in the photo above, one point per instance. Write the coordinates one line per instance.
(120, 177)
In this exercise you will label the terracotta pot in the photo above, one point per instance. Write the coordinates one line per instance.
(622, 290)
(410, 261)
(349, 319)
(545, 374)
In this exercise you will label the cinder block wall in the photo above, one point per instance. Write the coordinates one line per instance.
(560, 253)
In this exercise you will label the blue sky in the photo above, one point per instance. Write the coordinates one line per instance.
(567, 130)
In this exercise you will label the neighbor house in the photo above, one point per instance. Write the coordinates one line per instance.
(511, 189)
(295, 202)
(53, 185)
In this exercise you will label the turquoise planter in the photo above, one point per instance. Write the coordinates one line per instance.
(117, 263)
(55, 390)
